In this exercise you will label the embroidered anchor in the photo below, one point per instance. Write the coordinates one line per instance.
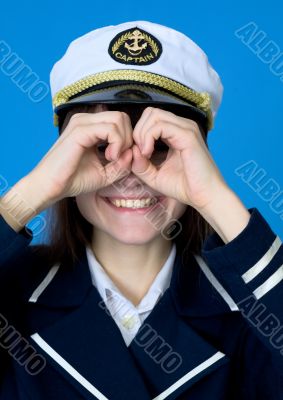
(134, 49)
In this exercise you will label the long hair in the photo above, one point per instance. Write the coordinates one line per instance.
(69, 232)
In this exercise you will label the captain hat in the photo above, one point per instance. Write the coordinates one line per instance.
(137, 62)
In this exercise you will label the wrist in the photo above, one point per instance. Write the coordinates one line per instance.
(22, 202)
(226, 213)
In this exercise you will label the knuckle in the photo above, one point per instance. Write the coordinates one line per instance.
(75, 119)
(147, 110)
(78, 130)
(160, 124)
(118, 117)
(126, 116)
(112, 126)
(156, 112)
(75, 116)
(194, 125)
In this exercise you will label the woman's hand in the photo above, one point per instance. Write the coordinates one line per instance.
(189, 173)
(73, 165)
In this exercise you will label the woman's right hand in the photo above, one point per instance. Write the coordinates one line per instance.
(73, 164)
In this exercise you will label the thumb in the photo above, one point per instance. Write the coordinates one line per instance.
(119, 168)
(142, 167)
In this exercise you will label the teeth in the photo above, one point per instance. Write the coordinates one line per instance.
(134, 203)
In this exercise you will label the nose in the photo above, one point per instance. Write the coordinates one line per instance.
(131, 181)
(130, 185)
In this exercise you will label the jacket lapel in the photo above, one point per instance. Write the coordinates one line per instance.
(74, 331)
(87, 348)
(172, 355)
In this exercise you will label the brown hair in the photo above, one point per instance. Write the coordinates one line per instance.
(69, 232)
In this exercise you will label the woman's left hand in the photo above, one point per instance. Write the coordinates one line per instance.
(189, 174)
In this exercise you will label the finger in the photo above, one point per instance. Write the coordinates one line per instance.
(78, 119)
(117, 169)
(89, 135)
(143, 168)
(139, 126)
(128, 130)
(177, 137)
(151, 119)
(124, 127)
(120, 118)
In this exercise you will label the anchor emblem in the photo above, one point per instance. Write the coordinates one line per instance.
(135, 49)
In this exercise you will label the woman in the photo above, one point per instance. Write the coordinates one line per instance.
(158, 283)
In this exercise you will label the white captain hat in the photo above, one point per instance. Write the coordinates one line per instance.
(137, 62)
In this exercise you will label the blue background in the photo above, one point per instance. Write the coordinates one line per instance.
(248, 125)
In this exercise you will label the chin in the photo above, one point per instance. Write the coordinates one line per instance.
(134, 236)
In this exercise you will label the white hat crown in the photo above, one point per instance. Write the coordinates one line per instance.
(140, 51)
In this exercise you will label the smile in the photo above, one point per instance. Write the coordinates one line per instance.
(132, 203)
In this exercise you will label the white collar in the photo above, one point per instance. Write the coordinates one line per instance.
(107, 288)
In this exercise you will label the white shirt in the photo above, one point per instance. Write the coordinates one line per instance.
(128, 317)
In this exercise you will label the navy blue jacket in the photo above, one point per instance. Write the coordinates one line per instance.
(216, 333)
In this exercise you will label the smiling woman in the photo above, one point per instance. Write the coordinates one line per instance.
(70, 231)
(154, 272)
